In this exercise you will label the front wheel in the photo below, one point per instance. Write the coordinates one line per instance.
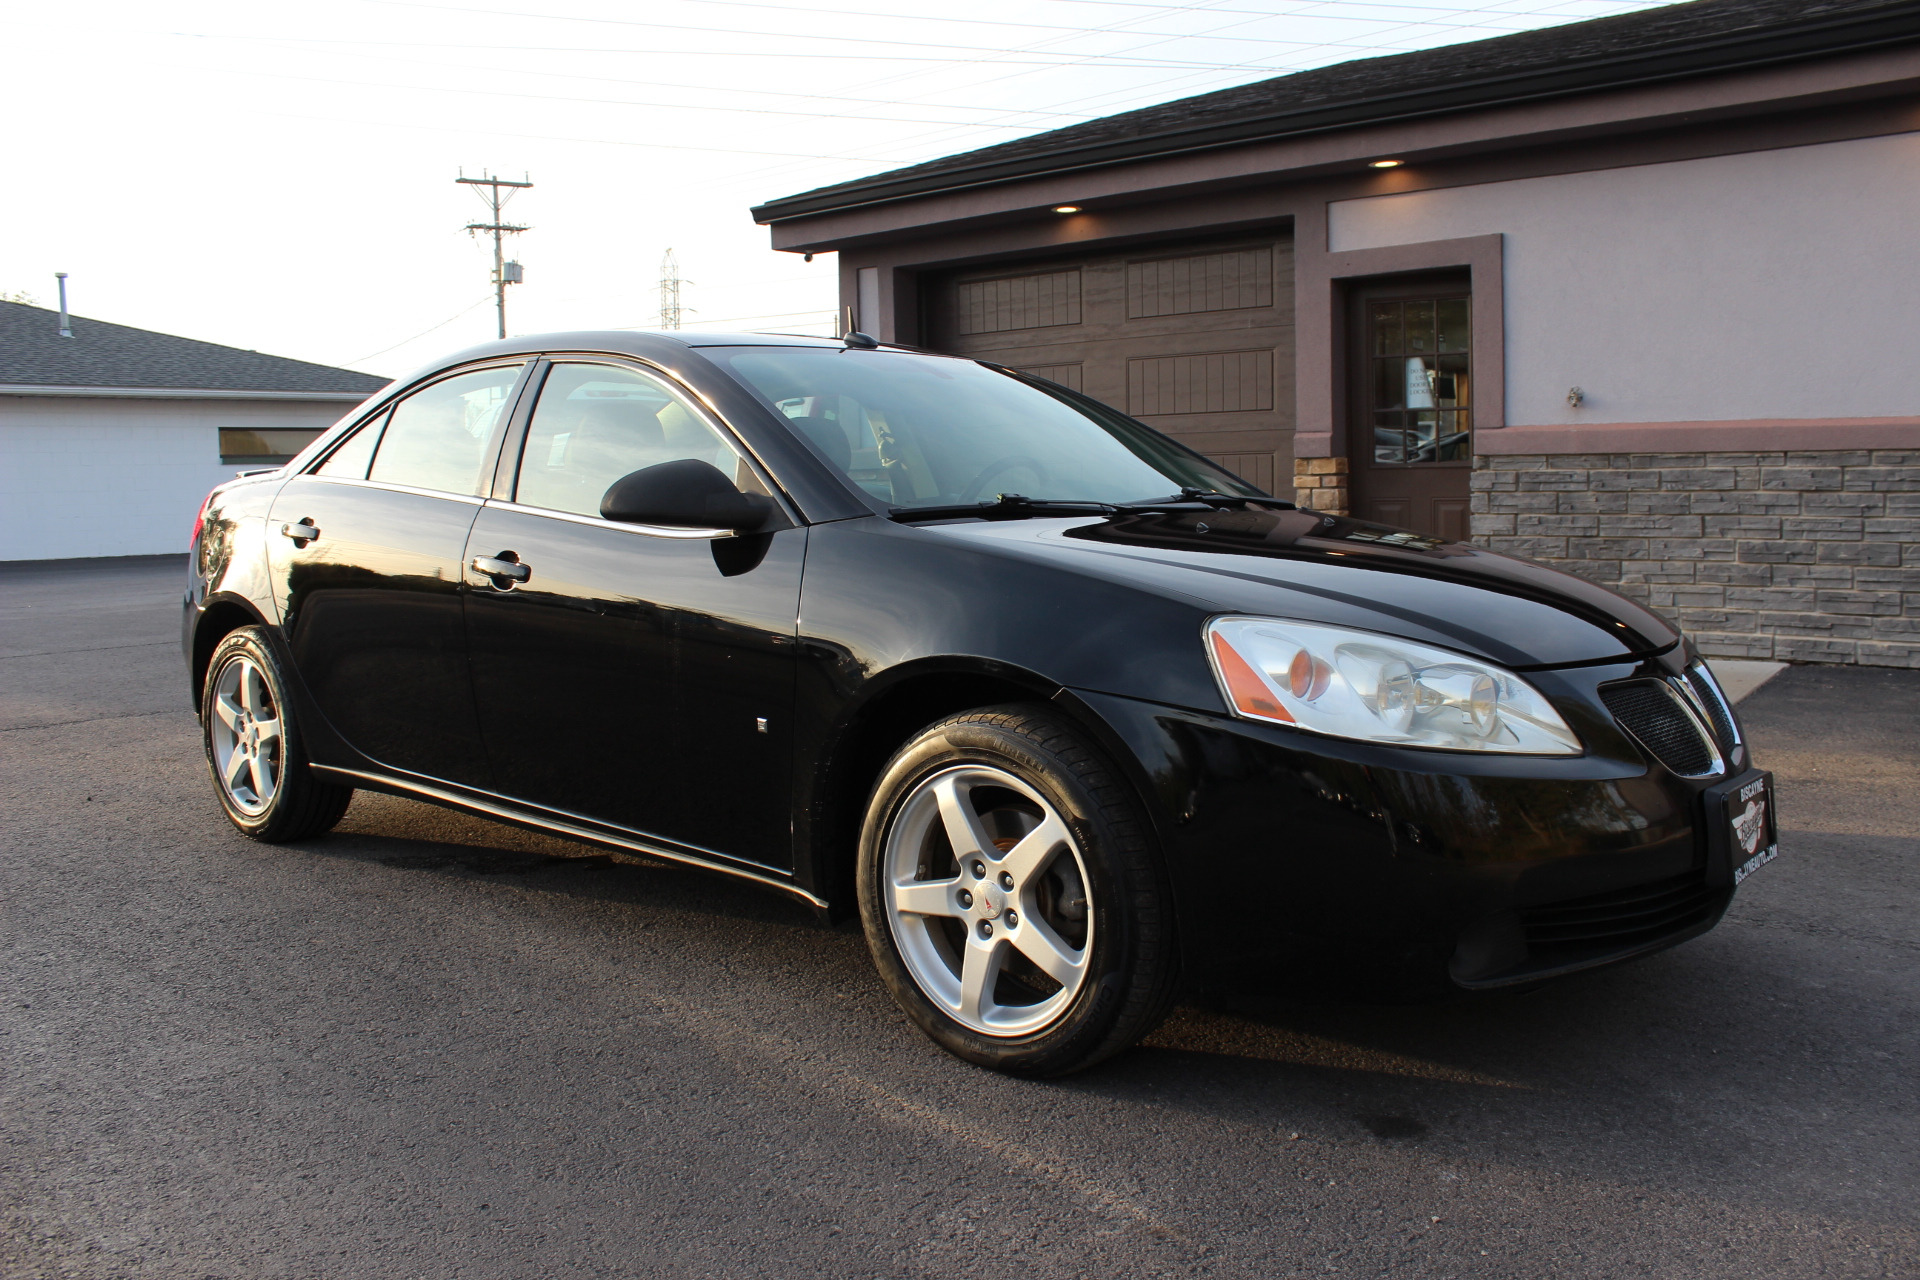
(254, 750)
(1012, 895)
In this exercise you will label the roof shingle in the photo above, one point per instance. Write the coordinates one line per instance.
(1673, 41)
(32, 353)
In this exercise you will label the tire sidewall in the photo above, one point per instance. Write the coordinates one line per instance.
(251, 642)
(1086, 1024)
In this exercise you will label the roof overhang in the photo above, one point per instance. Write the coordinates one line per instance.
(1786, 90)
(183, 393)
(1814, 37)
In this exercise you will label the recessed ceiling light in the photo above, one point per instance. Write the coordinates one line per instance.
(1066, 208)
(1388, 164)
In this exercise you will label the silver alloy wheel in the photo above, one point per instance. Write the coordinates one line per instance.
(245, 734)
(987, 898)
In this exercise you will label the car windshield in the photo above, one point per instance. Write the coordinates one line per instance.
(928, 431)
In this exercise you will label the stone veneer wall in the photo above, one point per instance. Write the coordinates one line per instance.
(1321, 483)
(1808, 557)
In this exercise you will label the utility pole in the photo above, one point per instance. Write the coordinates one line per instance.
(670, 282)
(504, 272)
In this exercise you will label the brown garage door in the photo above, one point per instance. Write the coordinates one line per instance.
(1196, 340)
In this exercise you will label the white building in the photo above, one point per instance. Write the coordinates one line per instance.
(109, 439)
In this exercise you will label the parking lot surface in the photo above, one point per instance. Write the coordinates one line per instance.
(431, 1046)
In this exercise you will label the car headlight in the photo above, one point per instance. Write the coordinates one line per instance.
(1358, 684)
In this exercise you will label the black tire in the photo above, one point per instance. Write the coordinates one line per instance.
(1128, 974)
(297, 804)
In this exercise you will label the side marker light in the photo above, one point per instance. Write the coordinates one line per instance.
(1251, 696)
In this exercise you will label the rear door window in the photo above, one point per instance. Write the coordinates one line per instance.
(438, 437)
(350, 460)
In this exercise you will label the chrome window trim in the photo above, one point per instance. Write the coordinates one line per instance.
(472, 500)
(600, 522)
(386, 398)
(502, 807)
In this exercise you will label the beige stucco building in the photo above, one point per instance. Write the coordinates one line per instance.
(1630, 295)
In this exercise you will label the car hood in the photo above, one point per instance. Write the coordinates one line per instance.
(1344, 572)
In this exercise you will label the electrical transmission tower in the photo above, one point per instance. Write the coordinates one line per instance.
(670, 309)
(504, 272)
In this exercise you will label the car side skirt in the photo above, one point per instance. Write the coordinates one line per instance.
(505, 811)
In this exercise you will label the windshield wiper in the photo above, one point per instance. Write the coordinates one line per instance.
(1008, 506)
(1209, 497)
(1016, 506)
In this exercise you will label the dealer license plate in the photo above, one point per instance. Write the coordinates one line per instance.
(1751, 836)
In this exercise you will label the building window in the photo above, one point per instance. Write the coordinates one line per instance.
(266, 447)
(1420, 380)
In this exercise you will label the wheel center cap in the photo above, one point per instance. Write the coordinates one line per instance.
(989, 901)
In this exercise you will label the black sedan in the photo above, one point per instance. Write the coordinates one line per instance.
(1065, 711)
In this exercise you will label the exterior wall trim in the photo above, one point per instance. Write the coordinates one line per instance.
(182, 393)
(1719, 101)
(1320, 310)
(1758, 435)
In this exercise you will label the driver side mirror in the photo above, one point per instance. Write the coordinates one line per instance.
(686, 494)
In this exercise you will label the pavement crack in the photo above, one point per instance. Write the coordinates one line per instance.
(104, 648)
(55, 724)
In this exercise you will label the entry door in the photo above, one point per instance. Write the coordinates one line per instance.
(1194, 339)
(1410, 441)
(367, 549)
(637, 677)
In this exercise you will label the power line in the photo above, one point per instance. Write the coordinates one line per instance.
(504, 272)
(471, 307)
(620, 102)
(784, 55)
(1248, 15)
(704, 88)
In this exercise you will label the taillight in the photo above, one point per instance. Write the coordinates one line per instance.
(200, 521)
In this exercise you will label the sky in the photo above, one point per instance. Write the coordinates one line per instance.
(281, 177)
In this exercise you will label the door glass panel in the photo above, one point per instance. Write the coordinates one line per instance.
(438, 436)
(1419, 322)
(596, 423)
(1389, 383)
(1421, 386)
(350, 460)
(1451, 317)
(1449, 381)
(1385, 318)
(1389, 441)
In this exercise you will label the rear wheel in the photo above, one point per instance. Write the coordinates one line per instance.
(254, 750)
(1012, 896)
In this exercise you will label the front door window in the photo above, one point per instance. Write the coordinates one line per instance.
(1421, 384)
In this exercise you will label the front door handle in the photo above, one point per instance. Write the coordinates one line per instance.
(302, 532)
(498, 567)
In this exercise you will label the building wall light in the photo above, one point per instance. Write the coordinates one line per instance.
(1386, 164)
(1066, 208)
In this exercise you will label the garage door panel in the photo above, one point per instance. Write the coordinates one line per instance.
(1195, 339)
(1002, 304)
(1191, 284)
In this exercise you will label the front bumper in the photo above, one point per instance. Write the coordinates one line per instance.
(1344, 860)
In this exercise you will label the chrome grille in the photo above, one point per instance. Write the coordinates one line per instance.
(1654, 713)
(1706, 691)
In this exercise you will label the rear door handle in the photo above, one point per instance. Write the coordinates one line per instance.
(303, 532)
(494, 567)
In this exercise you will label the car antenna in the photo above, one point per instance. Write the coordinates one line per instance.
(864, 341)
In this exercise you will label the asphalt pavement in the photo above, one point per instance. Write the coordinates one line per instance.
(429, 1046)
